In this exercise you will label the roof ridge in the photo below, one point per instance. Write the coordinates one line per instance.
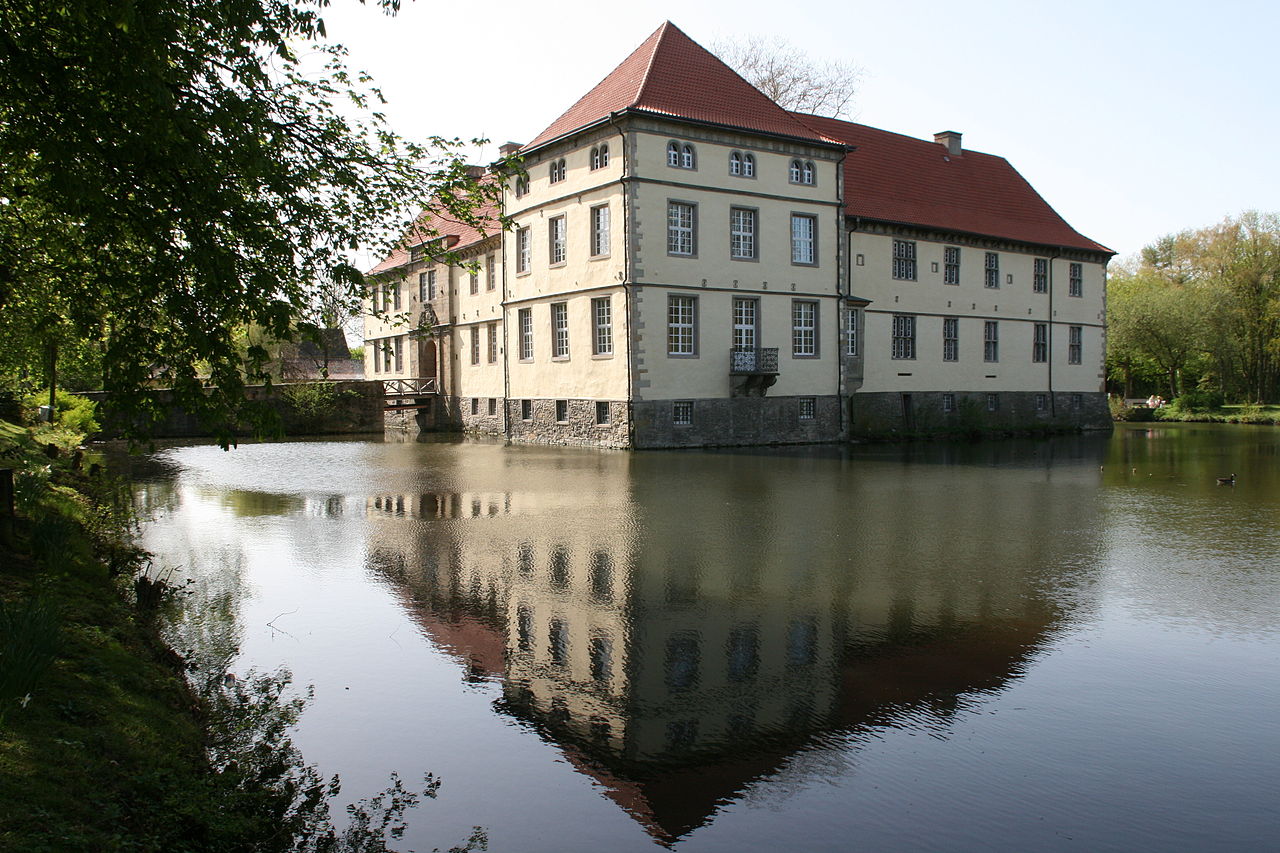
(658, 35)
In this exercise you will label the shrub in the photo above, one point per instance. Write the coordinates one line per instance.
(1197, 400)
(74, 412)
(312, 401)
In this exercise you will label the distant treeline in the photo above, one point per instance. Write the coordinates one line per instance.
(1199, 310)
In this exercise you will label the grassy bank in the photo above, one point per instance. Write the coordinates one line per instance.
(1241, 414)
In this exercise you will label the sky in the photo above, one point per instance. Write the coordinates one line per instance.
(1132, 118)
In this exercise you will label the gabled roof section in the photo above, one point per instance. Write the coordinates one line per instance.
(671, 74)
(896, 178)
(455, 235)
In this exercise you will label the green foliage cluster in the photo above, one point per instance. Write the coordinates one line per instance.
(1200, 310)
(71, 411)
(172, 172)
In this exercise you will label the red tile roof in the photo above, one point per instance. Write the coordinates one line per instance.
(433, 226)
(673, 75)
(896, 178)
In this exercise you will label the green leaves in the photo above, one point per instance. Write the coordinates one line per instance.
(170, 173)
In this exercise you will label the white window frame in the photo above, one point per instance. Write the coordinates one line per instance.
(525, 316)
(948, 402)
(557, 239)
(746, 323)
(950, 338)
(1040, 275)
(808, 408)
(600, 231)
(1075, 280)
(1075, 344)
(904, 260)
(991, 270)
(991, 341)
(682, 229)
(602, 325)
(804, 328)
(493, 343)
(743, 227)
(475, 344)
(557, 170)
(903, 337)
(682, 326)
(474, 280)
(524, 249)
(1040, 343)
(951, 265)
(735, 163)
(804, 246)
(682, 413)
(560, 330)
(850, 331)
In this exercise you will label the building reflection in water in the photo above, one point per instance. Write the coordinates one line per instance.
(683, 624)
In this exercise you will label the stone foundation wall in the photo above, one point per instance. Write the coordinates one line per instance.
(579, 427)
(885, 414)
(737, 421)
(481, 423)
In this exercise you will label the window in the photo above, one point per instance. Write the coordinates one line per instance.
(804, 236)
(526, 410)
(557, 171)
(682, 412)
(1075, 281)
(680, 228)
(562, 411)
(431, 285)
(601, 654)
(493, 406)
(804, 328)
(681, 315)
(490, 272)
(1075, 344)
(808, 408)
(395, 295)
(948, 402)
(745, 313)
(1077, 402)
(681, 156)
(526, 334)
(600, 156)
(993, 402)
(950, 339)
(373, 298)
(1042, 402)
(556, 239)
(904, 336)
(602, 326)
(493, 343)
(475, 344)
(742, 233)
(992, 271)
(524, 249)
(742, 165)
(558, 642)
(422, 287)
(802, 172)
(850, 331)
(600, 231)
(1040, 343)
(399, 351)
(474, 284)
(1040, 275)
(559, 330)
(475, 405)
(904, 260)
(991, 341)
(951, 265)
(602, 413)
(522, 186)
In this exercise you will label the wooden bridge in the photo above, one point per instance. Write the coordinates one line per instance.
(402, 394)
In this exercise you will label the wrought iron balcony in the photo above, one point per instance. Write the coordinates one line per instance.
(754, 361)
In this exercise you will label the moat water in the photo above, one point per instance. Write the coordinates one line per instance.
(1066, 644)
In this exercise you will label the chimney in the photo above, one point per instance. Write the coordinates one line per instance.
(950, 139)
(508, 148)
(476, 171)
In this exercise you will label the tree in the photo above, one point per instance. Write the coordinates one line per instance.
(170, 173)
(1151, 318)
(789, 77)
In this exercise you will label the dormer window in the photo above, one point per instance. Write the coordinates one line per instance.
(557, 171)
(803, 172)
(600, 156)
(681, 156)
